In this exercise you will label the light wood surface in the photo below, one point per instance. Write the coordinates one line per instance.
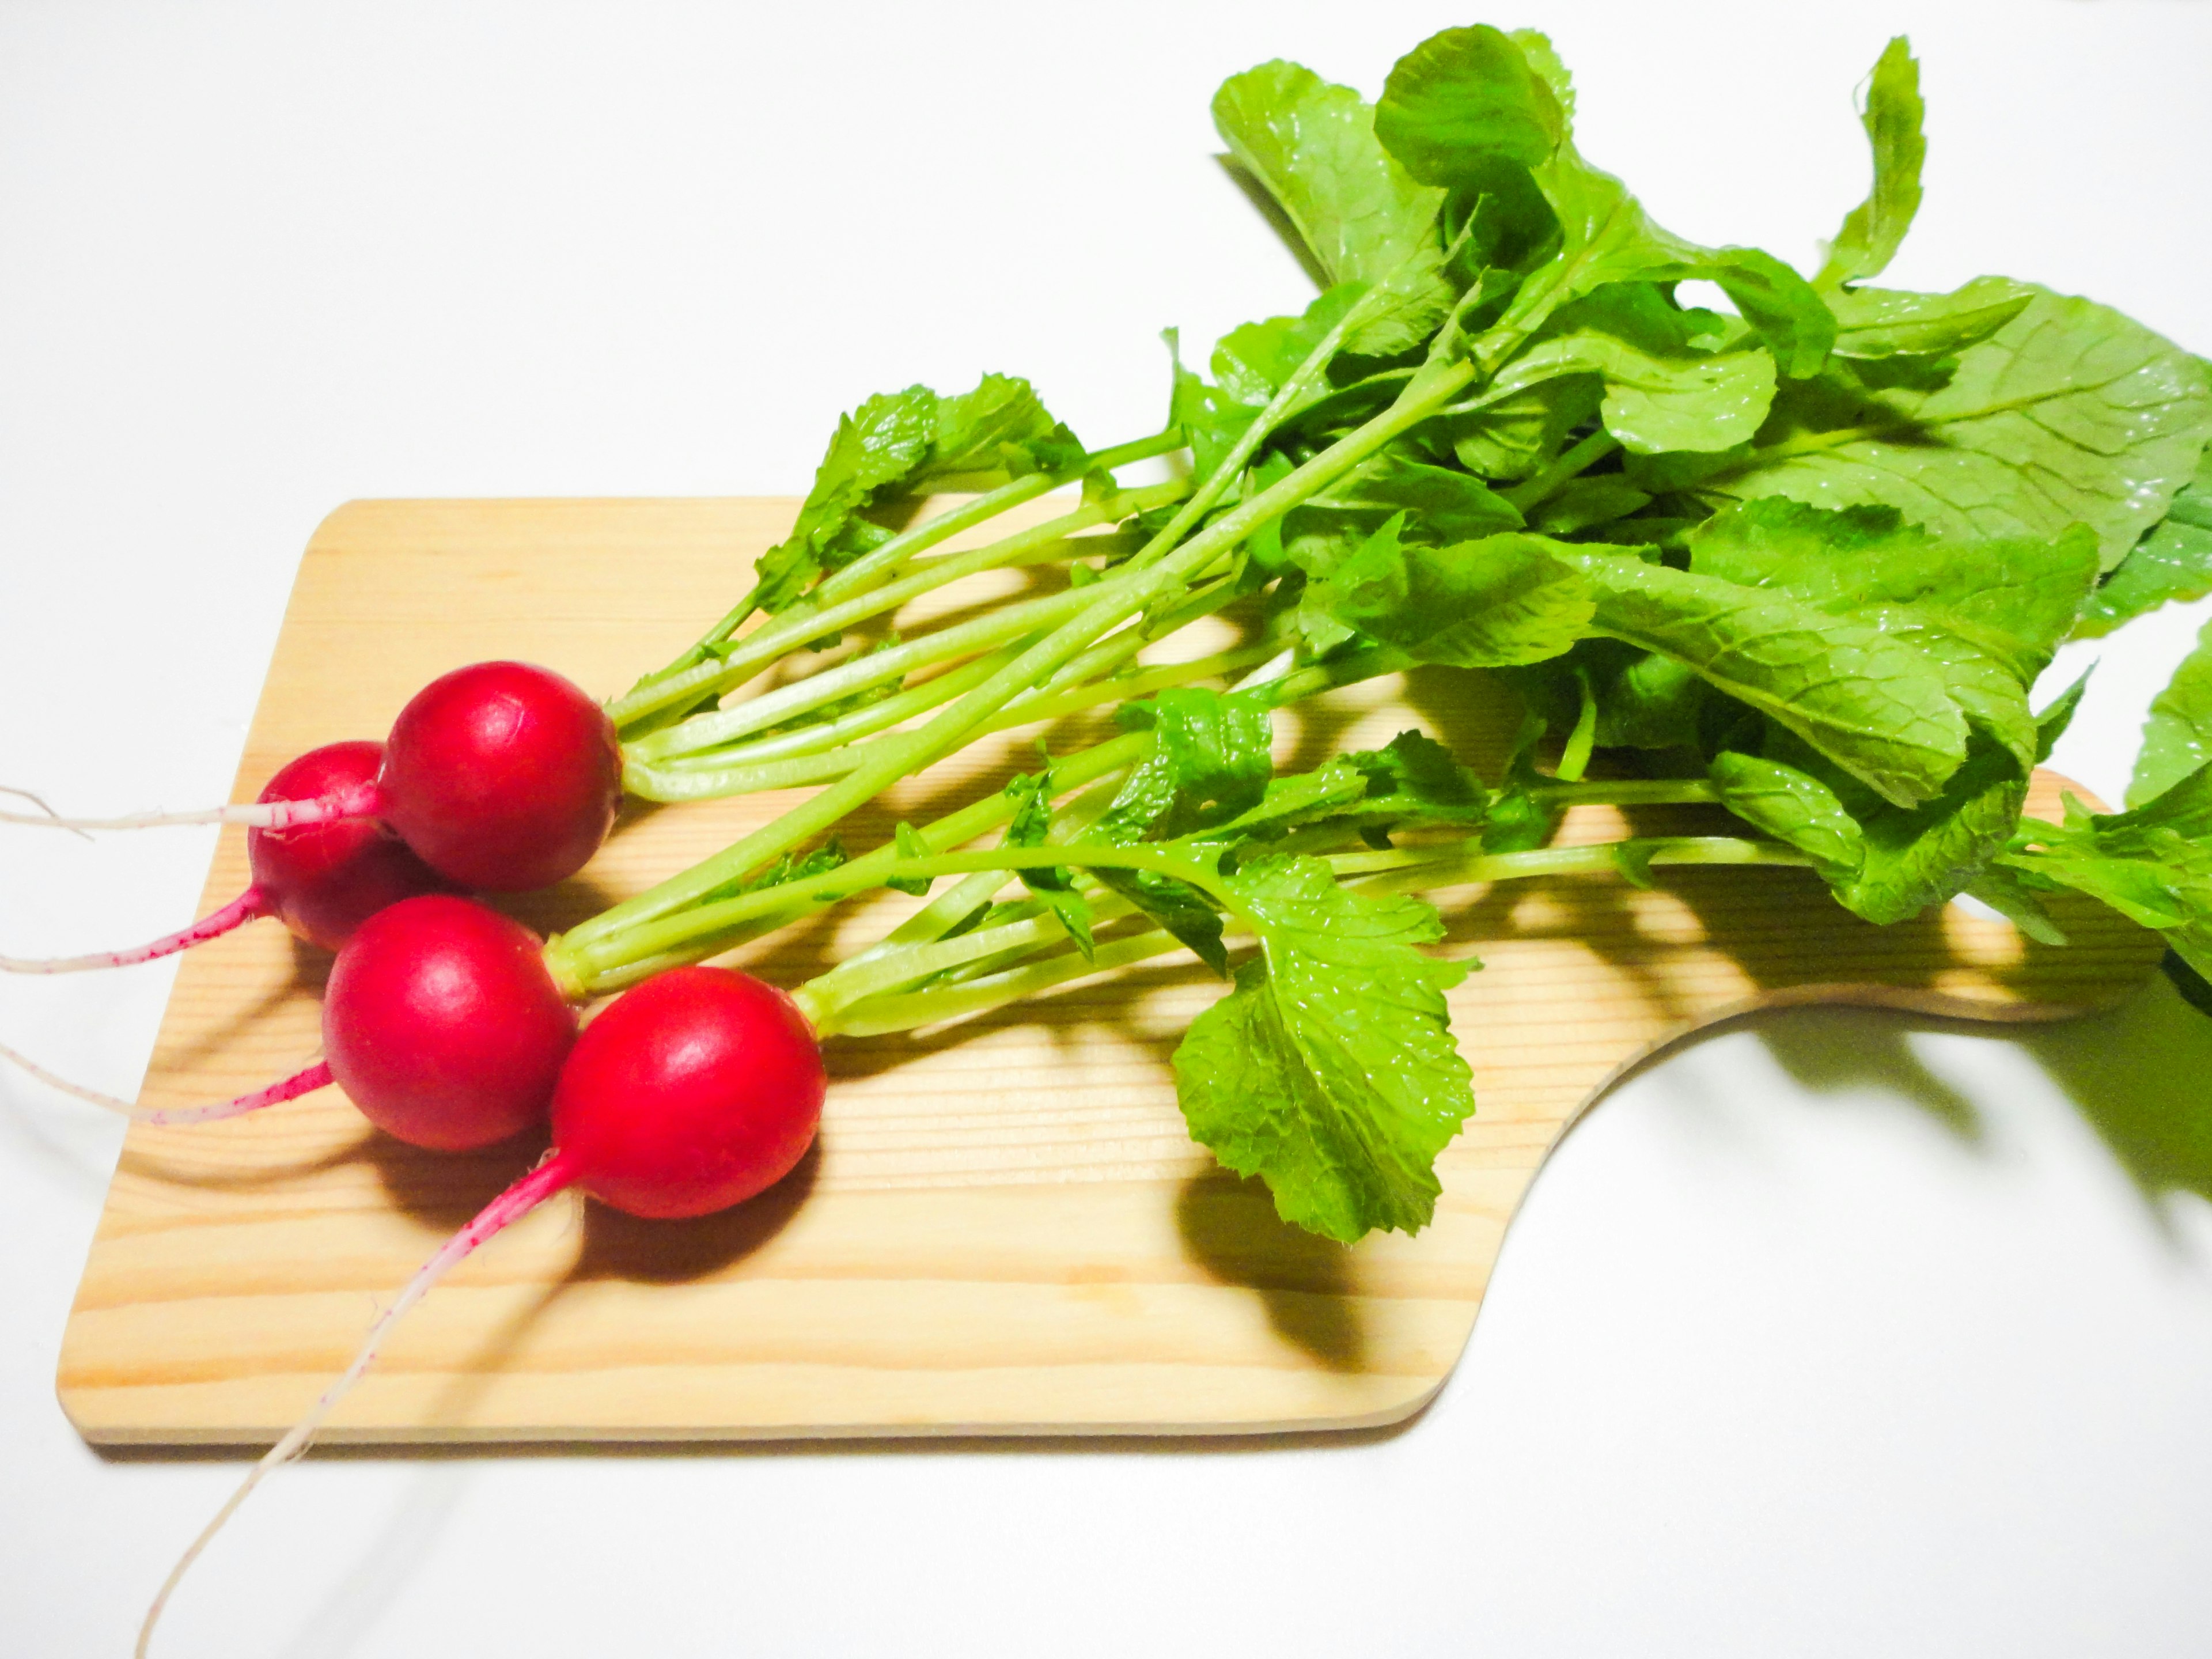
(1004, 1228)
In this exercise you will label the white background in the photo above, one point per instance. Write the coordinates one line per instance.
(1841, 1335)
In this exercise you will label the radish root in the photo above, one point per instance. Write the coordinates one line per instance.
(38, 801)
(360, 803)
(317, 1076)
(244, 908)
(517, 1201)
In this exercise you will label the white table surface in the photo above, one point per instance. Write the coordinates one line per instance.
(1841, 1336)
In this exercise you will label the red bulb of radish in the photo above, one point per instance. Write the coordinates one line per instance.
(688, 1094)
(503, 776)
(442, 1025)
(324, 880)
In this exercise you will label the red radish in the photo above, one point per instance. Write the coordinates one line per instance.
(442, 1025)
(441, 1022)
(689, 1094)
(501, 775)
(324, 880)
(320, 880)
(694, 1091)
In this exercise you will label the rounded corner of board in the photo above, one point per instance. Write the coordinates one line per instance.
(335, 524)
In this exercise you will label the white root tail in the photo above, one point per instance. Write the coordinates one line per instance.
(305, 1081)
(359, 803)
(517, 1201)
(240, 910)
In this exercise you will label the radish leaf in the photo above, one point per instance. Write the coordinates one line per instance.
(1873, 229)
(1329, 1070)
(1362, 217)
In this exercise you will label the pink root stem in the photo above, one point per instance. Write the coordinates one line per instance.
(242, 909)
(357, 802)
(317, 1076)
(549, 1177)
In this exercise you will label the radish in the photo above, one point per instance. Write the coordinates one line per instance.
(499, 775)
(320, 880)
(442, 1025)
(441, 1022)
(692, 1093)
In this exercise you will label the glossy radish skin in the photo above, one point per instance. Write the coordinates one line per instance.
(324, 880)
(442, 1025)
(503, 776)
(692, 1093)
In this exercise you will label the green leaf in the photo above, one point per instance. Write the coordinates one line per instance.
(1212, 421)
(1031, 826)
(1326, 791)
(876, 446)
(1519, 818)
(2152, 863)
(2015, 597)
(1444, 504)
(1521, 432)
(1211, 757)
(1363, 219)
(1873, 229)
(902, 440)
(2177, 733)
(1874, 323)
(1877, 708)
(1487, 604)
(999, 428)
(1612, 695)
(1990, 613)
(1413, 779)
(2001, 887)
(2069, 413)
(1330, 1070)
(1927, 855)
(1464, 93)
(1177, 906)
(1791, 807)
(1668, 385)
(1466, 102)
(2174, 562)
(1586, 503)
(1254, 362)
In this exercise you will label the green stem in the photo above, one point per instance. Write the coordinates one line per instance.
(880, 1015)
(1119, 597)
(1465, 864)
(778, 638)
(995, 627)
(869, 566)
(1629, 792)
(688, 678)
(1410, 869)
(816, 754)
(1572, 464)
(583, 962)
(865, 722)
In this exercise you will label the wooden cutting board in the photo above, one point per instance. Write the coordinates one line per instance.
(1004, 1228)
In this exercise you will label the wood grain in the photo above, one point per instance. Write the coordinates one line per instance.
(1004, 1228)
